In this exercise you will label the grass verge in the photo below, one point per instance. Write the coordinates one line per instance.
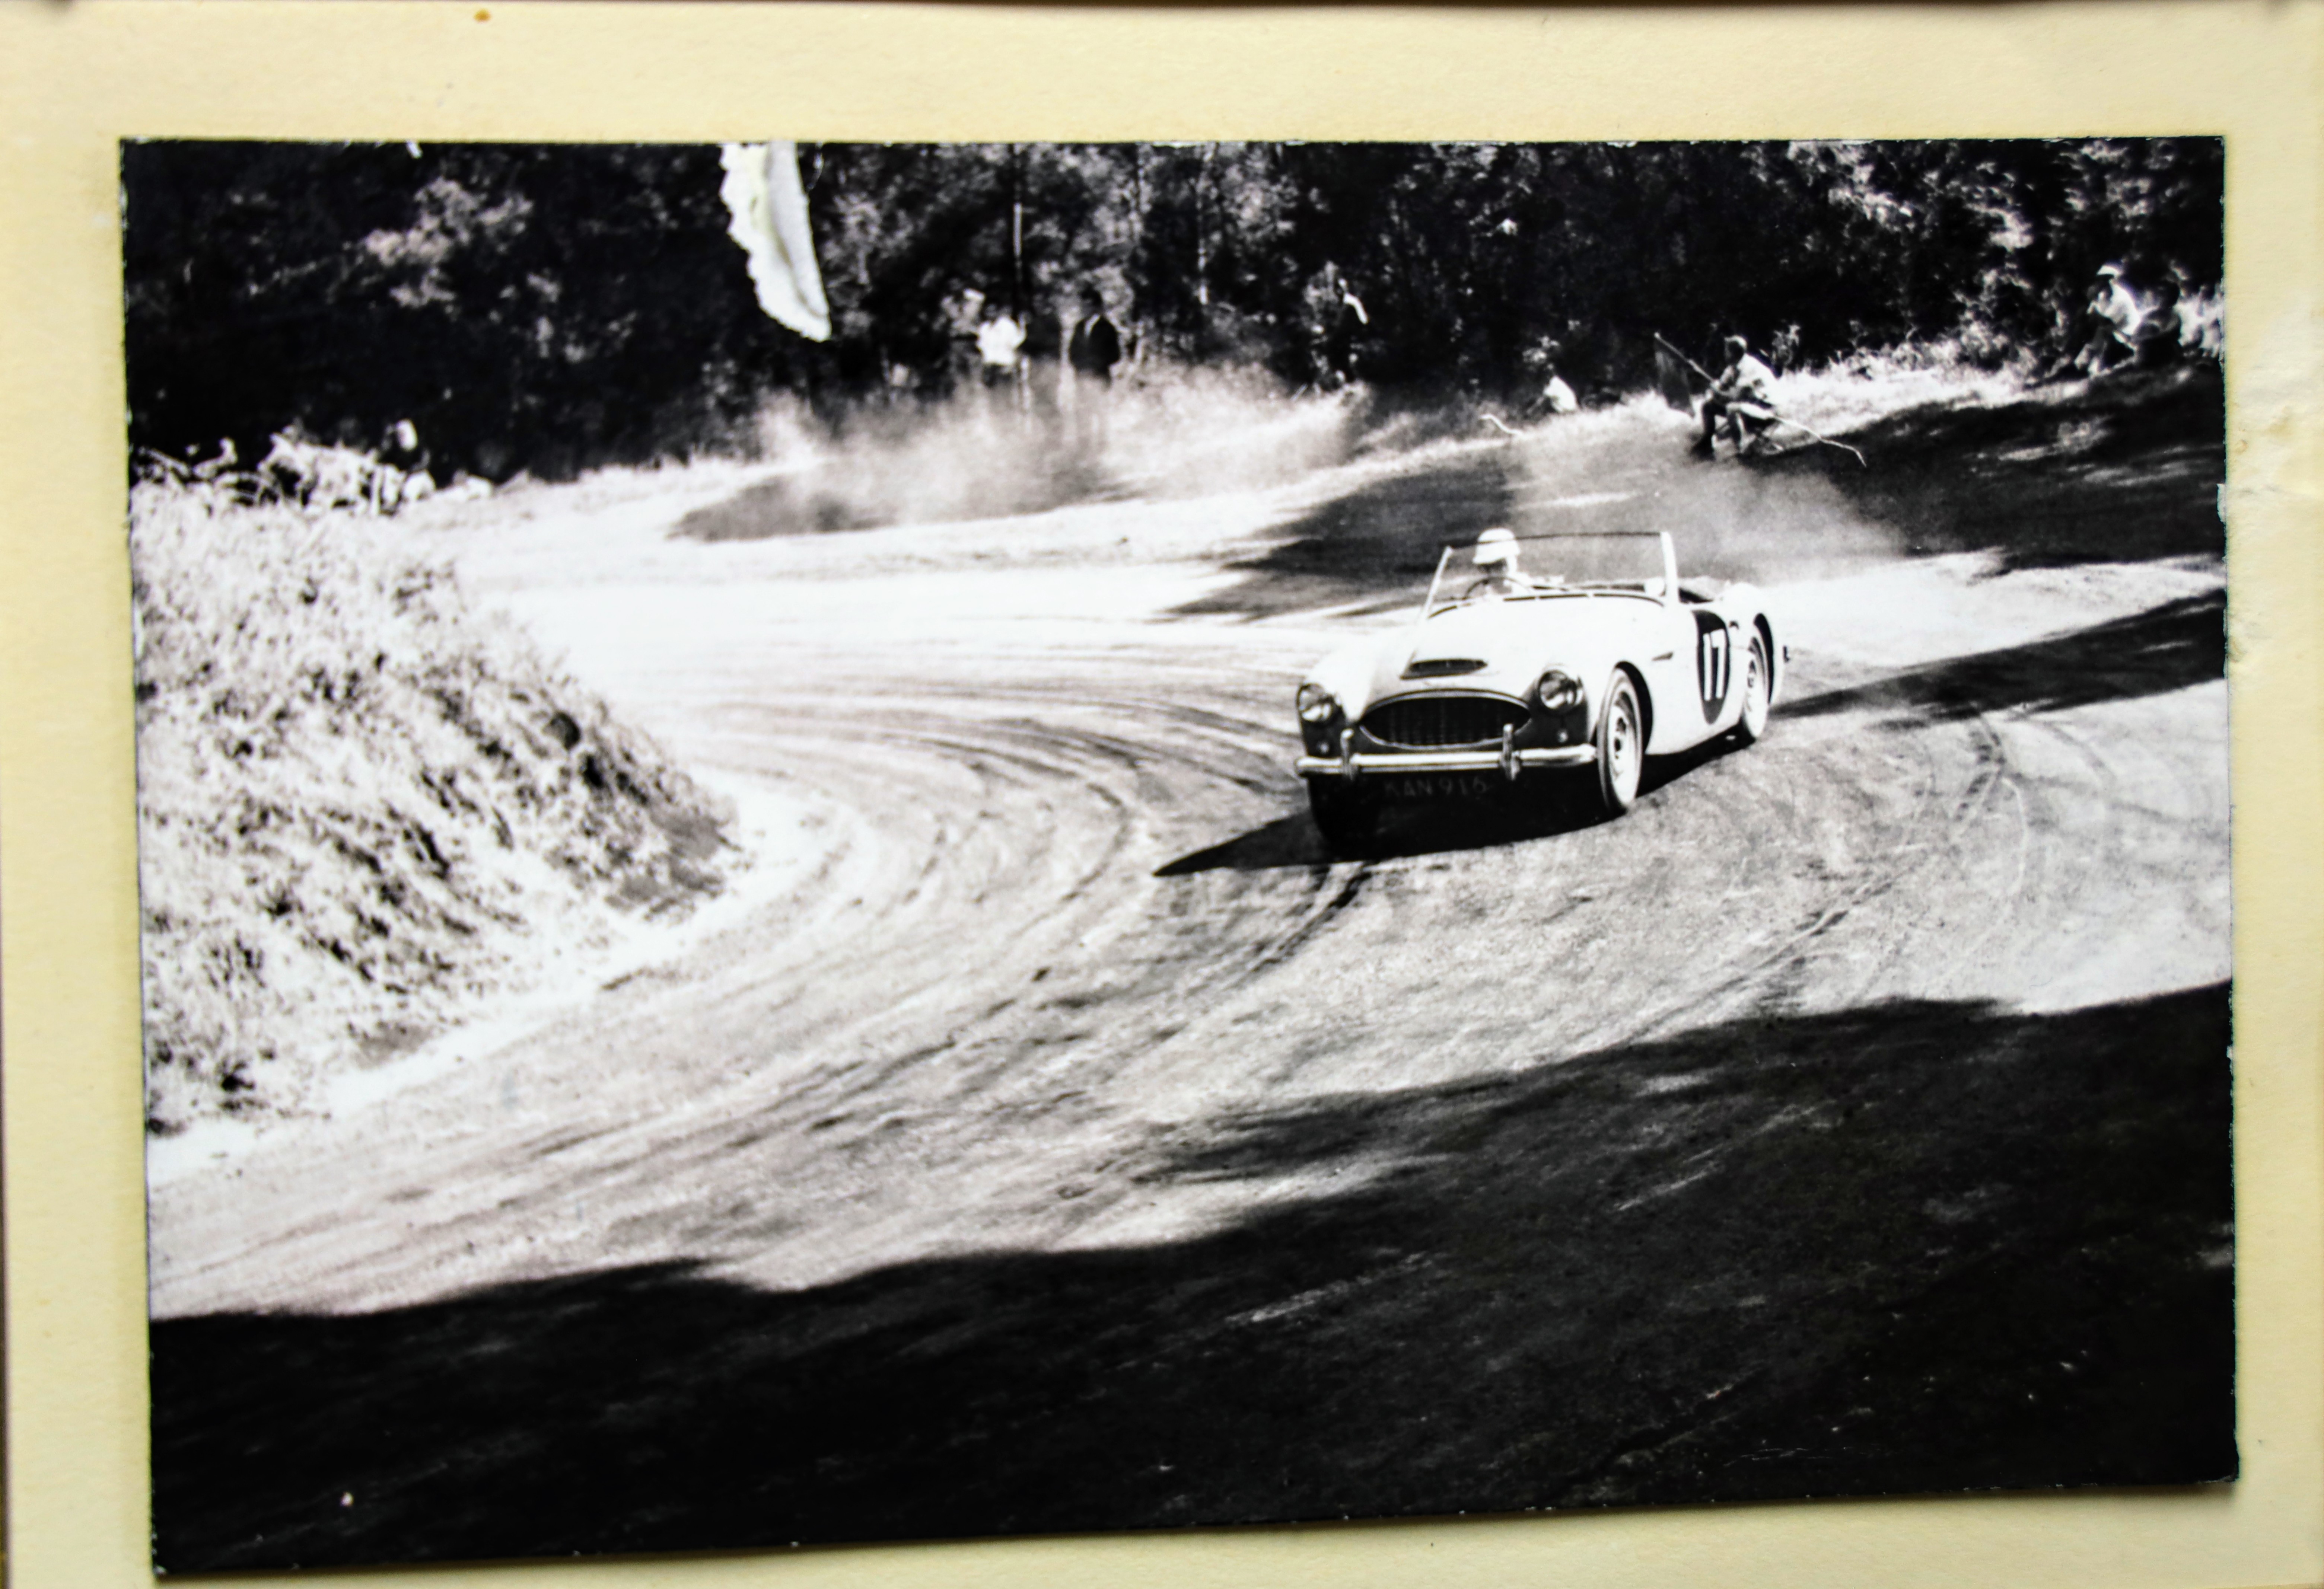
(363, 809)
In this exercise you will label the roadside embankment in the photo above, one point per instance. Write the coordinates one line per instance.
(365, 809)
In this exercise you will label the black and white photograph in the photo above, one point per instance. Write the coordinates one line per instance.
(848, 843)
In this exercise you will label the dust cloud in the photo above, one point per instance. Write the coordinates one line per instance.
(995, 452)
(1628, 468)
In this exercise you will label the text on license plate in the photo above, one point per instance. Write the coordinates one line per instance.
(1436, 786)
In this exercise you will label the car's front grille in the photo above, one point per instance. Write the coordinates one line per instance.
(1439, 722)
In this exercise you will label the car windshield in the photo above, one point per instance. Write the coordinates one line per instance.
(1518, 568)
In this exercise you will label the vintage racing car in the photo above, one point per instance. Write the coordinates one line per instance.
(1576, 669)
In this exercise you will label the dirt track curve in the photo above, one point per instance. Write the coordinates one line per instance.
(1058, 980)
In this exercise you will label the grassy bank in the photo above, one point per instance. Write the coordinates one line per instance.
(363, 808)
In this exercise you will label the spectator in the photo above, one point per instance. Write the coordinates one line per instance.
(1556, 397)
(1094, 350)
(1741, 401)
(2115, 317)
(999, 342)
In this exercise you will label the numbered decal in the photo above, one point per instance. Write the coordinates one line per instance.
(1714, 662)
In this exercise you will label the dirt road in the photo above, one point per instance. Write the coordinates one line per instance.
(1067, 1142)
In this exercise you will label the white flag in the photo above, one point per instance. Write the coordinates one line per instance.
(766, 210)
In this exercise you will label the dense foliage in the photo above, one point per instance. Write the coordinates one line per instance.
(551, 307)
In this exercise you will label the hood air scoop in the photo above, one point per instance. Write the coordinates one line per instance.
(1438, 667)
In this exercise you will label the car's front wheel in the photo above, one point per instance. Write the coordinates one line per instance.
(1347, 814)
(1621, 747)
(1756, 678)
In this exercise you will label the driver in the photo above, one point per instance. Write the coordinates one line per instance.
(1497, 557)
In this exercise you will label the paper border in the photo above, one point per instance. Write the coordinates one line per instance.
(74, 80)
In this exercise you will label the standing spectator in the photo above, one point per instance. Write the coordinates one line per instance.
(1093, 351)
(964, 315)
(999, 342)
(1340, 319)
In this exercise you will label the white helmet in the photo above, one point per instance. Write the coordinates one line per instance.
(1495, 546)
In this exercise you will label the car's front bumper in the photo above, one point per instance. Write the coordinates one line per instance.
(1388, 764)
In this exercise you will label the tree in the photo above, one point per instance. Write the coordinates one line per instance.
(549, 306)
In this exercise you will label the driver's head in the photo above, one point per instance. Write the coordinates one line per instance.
(1737, 347)
(1496, 552)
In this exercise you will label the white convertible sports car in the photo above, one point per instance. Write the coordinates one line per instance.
(1577, 669)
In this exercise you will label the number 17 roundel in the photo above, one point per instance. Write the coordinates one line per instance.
(1714, 662)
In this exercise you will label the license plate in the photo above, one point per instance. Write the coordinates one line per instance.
(1419, 786)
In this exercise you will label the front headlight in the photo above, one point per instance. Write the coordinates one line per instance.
(1558, 691)
(1315, 704)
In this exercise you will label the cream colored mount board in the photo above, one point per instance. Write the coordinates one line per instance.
(75, 80)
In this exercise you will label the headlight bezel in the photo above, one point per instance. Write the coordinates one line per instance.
(1558, 691)
(1315, 704)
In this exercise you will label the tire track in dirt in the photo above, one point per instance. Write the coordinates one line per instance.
(911, 1045)
(1069, 912)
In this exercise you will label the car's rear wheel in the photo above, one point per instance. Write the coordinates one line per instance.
(1621, 747)
(1346, 813)
(1756, 679)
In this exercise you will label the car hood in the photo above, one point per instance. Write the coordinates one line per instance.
(1515, 640)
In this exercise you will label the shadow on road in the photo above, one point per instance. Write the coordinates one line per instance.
(1286, 841)
(2164, 648)
(1917, 1246)
(1529, 812)
(1380, 541)
(2125, 470)
(786, 505)
(866, 492)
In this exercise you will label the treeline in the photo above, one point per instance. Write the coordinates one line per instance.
(549, 307)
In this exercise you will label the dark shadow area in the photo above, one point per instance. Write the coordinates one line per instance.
(1443, 828)
(1286, 841)
(1537, 809)
(2125, 470)
(1913, 1248)
(1380, 541)
(2152, 653)
(823, 501)
(787, 505)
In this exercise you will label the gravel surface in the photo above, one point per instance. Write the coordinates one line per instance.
(1059, 1139)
